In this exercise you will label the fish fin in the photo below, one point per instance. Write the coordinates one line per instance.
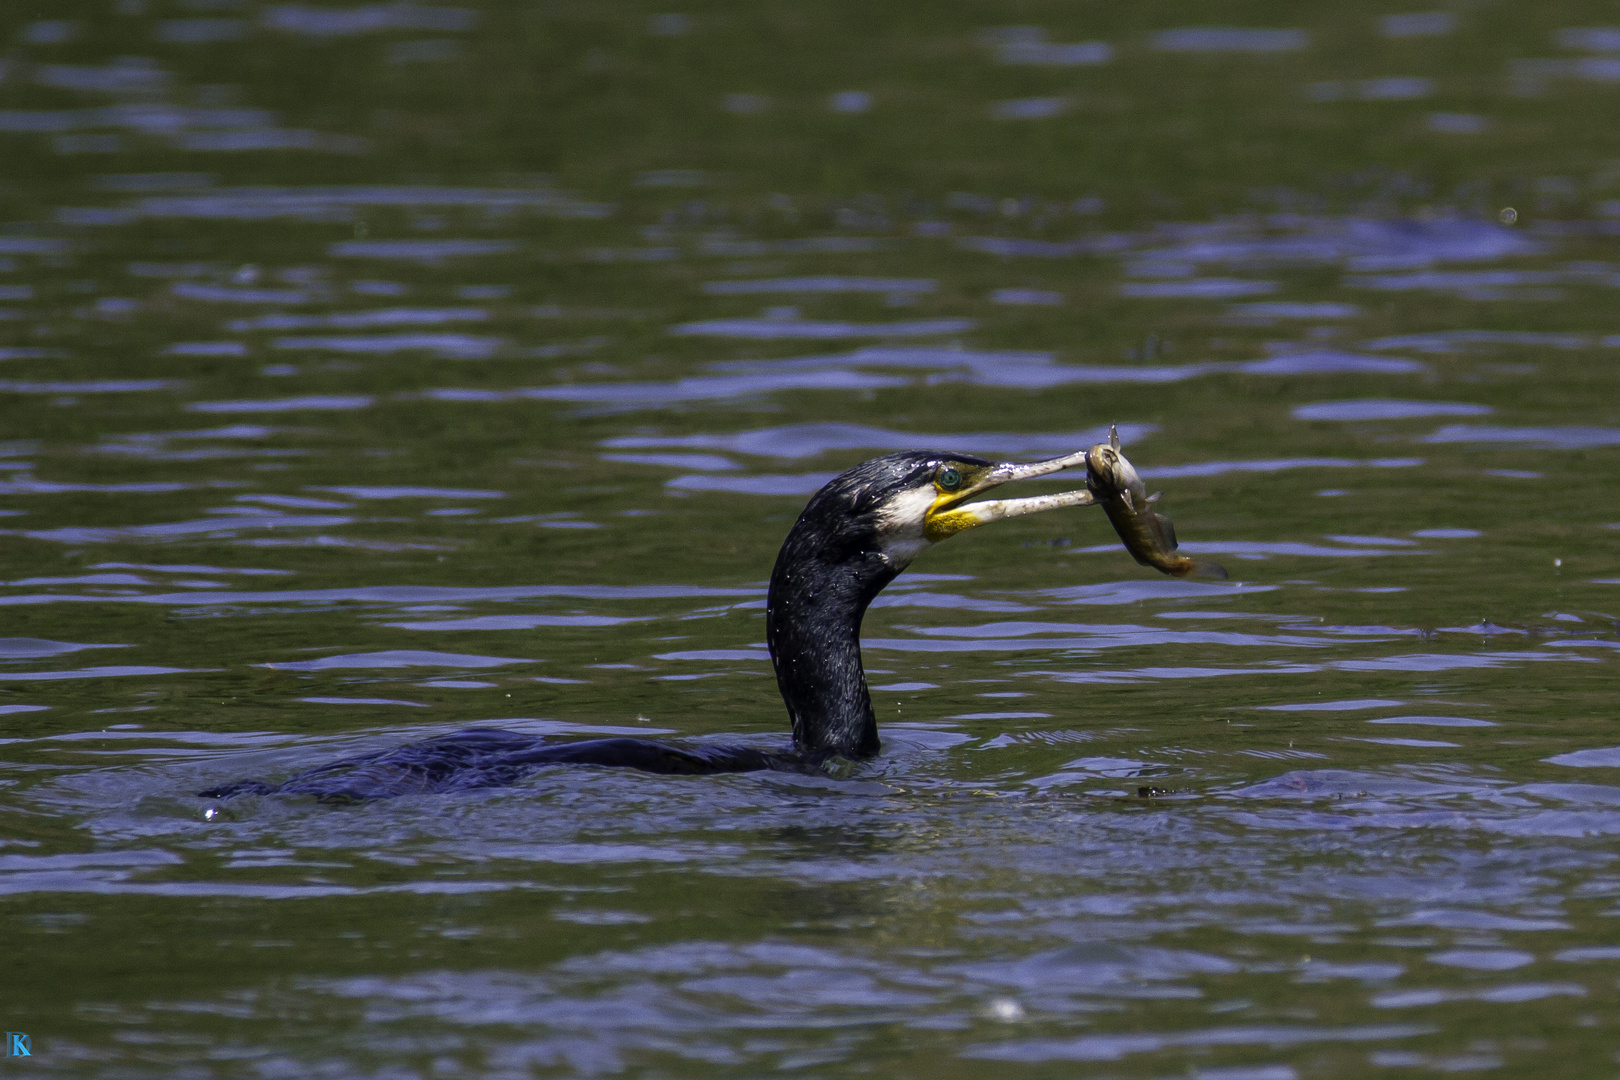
(1155, 497)
(1205, 569)
(1113, 436)
(1130, 505)
(1169, 529)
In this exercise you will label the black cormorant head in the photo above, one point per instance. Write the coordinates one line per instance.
(899, 504)
(857, 533)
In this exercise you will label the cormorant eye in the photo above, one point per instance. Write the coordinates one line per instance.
(949, 479)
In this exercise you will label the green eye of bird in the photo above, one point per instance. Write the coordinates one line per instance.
(950, 479)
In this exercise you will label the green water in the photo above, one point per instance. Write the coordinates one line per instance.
(373, 372)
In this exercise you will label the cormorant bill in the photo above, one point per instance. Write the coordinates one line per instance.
(854, 537)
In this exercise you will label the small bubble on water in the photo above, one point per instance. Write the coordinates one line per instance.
(211, 813)
(850, 101)
(1006, 1010)
(745, 104)
(1508, 215)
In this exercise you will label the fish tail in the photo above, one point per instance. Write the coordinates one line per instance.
(1181, 567)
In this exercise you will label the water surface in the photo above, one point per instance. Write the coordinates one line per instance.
(377, 370)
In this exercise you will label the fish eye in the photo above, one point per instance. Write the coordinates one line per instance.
(948, 479)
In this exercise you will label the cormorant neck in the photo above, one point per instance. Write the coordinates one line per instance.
(825, 576)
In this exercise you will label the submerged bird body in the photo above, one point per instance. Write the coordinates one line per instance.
(853, 538)
(1147, 534)
(488, 757)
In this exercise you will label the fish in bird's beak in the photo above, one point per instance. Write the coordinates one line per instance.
(955, 483)
(1147, 534)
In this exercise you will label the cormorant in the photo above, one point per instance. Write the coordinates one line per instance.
(854, 537)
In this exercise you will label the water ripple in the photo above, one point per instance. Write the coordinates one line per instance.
(787, 328)
(1118, 1047)
(809, 440)
(397, 658)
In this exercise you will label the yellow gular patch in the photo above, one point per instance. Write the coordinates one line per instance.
(947, 523)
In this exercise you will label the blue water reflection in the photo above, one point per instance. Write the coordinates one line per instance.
(1552, 438)
(810, 440)
(1386, 410)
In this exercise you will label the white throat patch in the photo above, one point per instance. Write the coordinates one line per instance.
(900, 526)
